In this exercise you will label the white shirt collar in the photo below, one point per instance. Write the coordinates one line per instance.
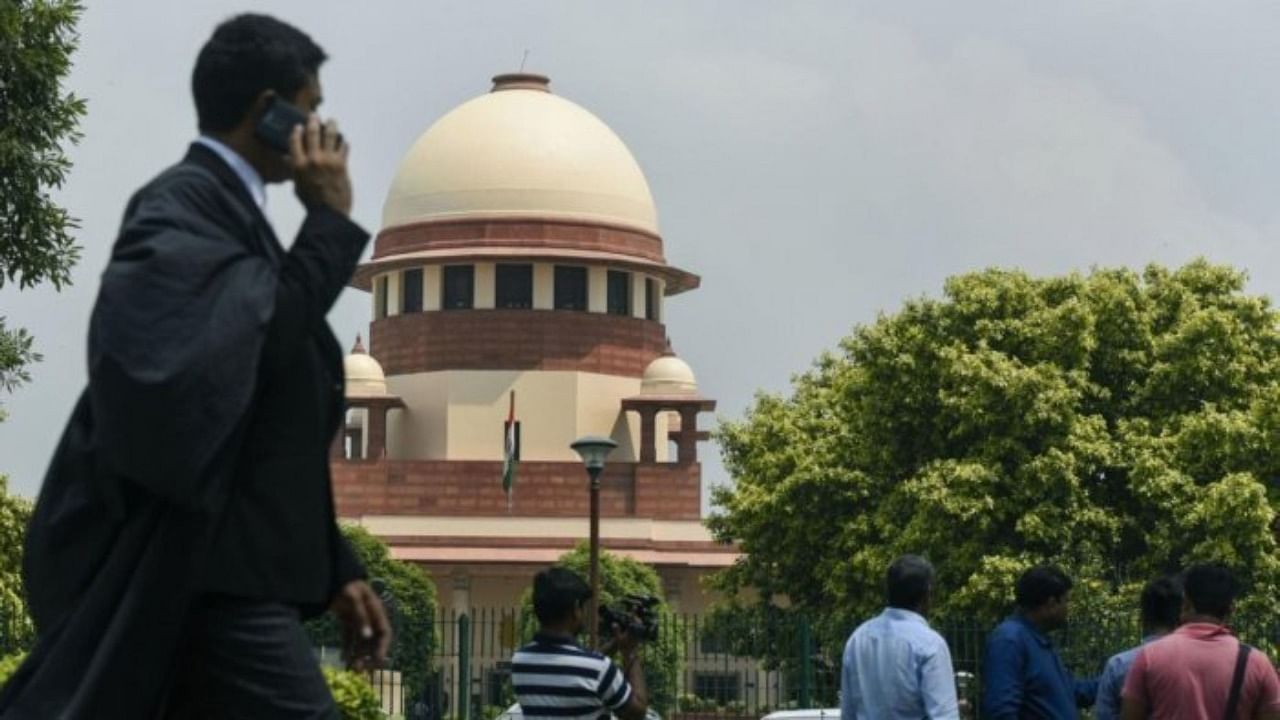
(904, 614)
(243, 170)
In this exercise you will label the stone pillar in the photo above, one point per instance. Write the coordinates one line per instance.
(687, 441)
(375, 419)
(648, 439)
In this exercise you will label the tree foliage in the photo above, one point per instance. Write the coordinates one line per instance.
(16, 628)
(411, 598)
(1116, 423)
(16, 355)
(9, 664)
(37, 38)
(37, 119)
(619, 577)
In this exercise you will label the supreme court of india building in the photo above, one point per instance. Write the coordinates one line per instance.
(520, 252)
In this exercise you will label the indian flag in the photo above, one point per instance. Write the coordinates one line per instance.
(509, 453)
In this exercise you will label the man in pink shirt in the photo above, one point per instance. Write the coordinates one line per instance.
(1191, 673)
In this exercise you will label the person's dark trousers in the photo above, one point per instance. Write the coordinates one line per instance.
(247, 659)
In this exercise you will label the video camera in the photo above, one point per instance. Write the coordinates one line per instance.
(635, 614)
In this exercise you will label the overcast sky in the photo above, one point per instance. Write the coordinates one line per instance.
(815, 162)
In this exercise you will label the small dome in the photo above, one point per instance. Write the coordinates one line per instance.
(668, 375)
(516, 152)
(364, 374)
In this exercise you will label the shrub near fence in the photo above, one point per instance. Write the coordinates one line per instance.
(17, 632)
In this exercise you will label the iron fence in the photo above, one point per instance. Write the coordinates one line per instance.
(712, 671)
(789, 666)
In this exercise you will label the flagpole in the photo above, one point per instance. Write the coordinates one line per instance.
(511, 452)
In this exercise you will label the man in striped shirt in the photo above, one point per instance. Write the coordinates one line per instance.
(558, 679)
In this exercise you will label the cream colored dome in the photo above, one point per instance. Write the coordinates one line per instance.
(668, 375)
(364, 374)
(520, 151)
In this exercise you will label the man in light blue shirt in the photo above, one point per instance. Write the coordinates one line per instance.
(1161, 610)
(895, 666)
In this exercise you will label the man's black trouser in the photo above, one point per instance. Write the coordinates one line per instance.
(247, 659)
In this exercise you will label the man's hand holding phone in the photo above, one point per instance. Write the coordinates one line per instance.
(318, 155)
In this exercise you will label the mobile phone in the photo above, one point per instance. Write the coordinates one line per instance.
(278, 122)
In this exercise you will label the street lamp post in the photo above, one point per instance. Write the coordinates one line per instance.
(594, 449)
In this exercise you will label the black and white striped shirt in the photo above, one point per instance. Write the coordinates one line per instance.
(555, 677)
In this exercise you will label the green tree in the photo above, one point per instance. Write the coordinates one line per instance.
(619, 577)
(412, 606)
(1119, 424)
(16, 629)
(37, 119)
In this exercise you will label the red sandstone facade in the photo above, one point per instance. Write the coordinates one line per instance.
(546, 489)
(516, 340)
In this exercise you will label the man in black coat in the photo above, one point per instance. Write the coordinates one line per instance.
(186, 523)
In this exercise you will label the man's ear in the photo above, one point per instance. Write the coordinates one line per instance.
(260, 105)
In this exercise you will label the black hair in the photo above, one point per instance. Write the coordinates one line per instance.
(908, 581)
(1162, 602)
(1211, 589)
(1039, 585)
(556, 592)
(246, 55)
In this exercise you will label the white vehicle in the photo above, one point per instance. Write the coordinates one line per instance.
(810, 714)
(515, 713)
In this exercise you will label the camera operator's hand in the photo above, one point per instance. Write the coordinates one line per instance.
(625, 641)
(319, 159)
(628, 644)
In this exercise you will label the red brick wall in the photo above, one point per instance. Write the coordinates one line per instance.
(543, 489)
(516, 340)
(668, 491)
(471, 235)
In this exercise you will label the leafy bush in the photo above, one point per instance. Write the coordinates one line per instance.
(16, 629)
(413, 614)
(354, 695)
(9, 664)
(691, 703)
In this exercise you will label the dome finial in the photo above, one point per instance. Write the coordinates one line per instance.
(358, 348)
(521, 81)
